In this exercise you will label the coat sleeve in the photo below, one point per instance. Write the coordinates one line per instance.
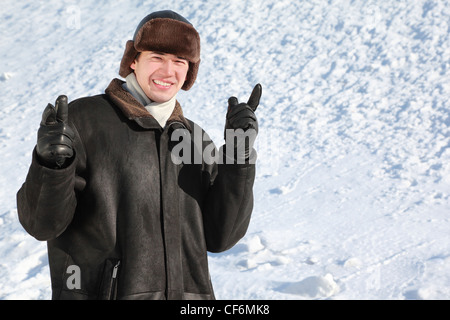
(228, 205)
(46, 201)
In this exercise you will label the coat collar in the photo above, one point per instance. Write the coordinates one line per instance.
(134, 110)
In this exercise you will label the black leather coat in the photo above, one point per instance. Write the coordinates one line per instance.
(137, 225)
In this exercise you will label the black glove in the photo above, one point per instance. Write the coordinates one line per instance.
(242, 116)
(55, 137)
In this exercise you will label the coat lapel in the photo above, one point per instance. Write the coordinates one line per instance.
(134, 110)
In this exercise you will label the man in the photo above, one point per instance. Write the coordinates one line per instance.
(122, 219)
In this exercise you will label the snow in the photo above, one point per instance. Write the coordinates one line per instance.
(352, 194)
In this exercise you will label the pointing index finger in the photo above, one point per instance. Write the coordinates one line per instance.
(62, 109)
(253, 101)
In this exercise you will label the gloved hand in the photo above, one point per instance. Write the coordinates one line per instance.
(55, 137)
(241, 122)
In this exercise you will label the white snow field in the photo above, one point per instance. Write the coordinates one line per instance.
(352, 195)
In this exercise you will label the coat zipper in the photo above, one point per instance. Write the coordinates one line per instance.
(116, 267)
(113, 289)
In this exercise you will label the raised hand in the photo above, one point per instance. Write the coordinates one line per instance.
(55, 137)
(242, 115)
(242, 124)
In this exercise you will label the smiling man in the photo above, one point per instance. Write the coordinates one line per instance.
(122, 220)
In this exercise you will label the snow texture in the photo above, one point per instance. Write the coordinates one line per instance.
(352, 194)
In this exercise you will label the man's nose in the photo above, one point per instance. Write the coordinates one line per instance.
(168, 68)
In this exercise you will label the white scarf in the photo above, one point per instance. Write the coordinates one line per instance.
(160, 111)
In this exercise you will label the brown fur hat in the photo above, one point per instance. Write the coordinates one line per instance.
(168, 32)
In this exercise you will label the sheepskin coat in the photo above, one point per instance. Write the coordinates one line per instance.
(135, 224)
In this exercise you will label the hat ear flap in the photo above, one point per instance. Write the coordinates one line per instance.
(191, 75)
(128, 57)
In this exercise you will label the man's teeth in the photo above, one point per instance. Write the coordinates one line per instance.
(161, 83)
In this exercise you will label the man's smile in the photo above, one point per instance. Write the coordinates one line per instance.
(162, 83)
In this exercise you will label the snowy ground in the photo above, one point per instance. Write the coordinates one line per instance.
(352, 196)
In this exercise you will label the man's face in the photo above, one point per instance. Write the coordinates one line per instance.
(160, 75)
